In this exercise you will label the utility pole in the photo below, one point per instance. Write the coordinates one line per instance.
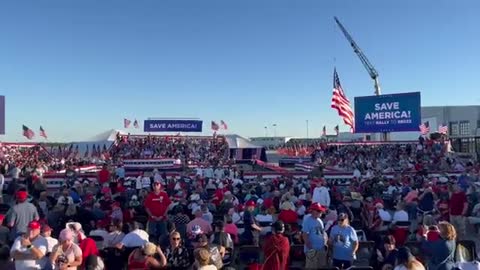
(274, 130)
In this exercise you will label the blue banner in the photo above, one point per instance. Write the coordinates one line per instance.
(387, 113)
(172, 126)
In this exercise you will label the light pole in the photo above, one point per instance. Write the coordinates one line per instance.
(307, 131)
(266, 131)
(274, 130)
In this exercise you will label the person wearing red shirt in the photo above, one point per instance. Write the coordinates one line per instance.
(287, 213)
(458, 210)
(276, 249)
(156, 204)
(103, 175)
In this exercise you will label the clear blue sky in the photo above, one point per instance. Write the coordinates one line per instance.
(79, 67)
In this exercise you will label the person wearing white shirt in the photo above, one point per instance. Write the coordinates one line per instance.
(135, 238)
(146, 182)
(199, 171)
(400, 214)
(208, 172)
(28, 250)
(357, 174)
(15, 172)
(321, 195)
(51, 242)
(138, 183)
(219, 173)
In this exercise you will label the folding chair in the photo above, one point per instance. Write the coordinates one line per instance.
(248, 254)
(362, 237)
(364, 254)
(297, 256)
(465, 251)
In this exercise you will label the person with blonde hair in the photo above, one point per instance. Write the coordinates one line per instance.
(202, 258)
(143, 258)
(442, 251)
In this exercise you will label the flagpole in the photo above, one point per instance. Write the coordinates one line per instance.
(307, 130)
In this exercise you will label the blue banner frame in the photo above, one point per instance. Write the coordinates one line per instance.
(388, 113)
(173, 126)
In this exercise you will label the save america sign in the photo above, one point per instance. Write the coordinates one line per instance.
(387, 113)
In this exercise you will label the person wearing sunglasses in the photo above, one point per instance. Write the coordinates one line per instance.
(177, 255)
(344, 242)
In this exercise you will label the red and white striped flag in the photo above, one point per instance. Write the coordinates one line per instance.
(28, 132)
(215, 126)
(43, 133)
(135, 124)
(126, 123)
(425, 128)
(223, 125)
(443, 129)
(341, 103)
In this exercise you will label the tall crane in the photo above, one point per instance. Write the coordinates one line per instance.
(368, 66)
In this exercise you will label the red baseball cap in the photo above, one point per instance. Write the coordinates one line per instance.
(2, 217)
(22, 195)
(317, 207)
(34, 225)
(250, 203)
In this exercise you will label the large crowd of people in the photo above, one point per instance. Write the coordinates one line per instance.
(210, 150)
(220, 220)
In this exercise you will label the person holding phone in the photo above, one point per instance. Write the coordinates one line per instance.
(29, 249)
(66, 255)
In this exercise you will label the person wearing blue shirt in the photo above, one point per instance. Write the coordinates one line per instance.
(344, 242)
(314, 236)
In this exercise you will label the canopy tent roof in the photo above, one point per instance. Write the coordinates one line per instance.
(235, 141)
(105, 138)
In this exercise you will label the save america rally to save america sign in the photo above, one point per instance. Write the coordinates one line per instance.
(172, 125)
(387, 113)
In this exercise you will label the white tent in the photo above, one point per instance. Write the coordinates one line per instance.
(105, 138)
(241, 148)
(235, 141)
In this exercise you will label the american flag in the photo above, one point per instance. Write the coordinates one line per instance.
(443, 129)
(28, 132)
(223, 124)
(341, 103)
(215, 126)
(324, 131)
(126, 123)
(135, 124)
(425, 128)
(43, 133)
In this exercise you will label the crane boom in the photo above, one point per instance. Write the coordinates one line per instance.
(368, 66)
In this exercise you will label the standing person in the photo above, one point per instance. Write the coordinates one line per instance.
(29, 249)
(21, 214)
(66, 255)
(315, 238)
(51, 243)
(156, 204)
(204, 226)
(321, 195)
(442, 251)
(344, 241)
(103, 175)
(252, 228)
(276, 249)
(458, 210)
